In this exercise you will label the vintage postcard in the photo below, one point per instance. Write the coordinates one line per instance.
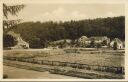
(64, 40)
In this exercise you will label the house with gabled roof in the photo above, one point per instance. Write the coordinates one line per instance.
(83, 41)
(120, 44)
(21, 44)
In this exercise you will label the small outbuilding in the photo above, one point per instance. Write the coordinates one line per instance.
(120, 44)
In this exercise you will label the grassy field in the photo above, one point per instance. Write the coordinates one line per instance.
(52, 71)
(84, 57)
(89, 57)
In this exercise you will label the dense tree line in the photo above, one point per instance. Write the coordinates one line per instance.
(39, 34)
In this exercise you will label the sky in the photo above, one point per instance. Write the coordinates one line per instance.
(66, 12)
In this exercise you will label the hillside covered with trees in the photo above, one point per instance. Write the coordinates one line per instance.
(38, 34)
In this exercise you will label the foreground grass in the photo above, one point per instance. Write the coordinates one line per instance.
(68, 71)
(100, 58)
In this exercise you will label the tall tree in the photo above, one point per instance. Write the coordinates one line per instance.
(9, 40)
(12, 10)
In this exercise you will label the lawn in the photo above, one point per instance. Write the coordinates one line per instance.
(95, 57)
(100, 58)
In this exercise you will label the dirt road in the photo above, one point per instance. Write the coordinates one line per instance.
(16, 73)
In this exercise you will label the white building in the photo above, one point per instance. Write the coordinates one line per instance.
(120, 44)
(83, 41)
(21, 44)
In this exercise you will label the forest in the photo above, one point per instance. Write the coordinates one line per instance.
(37, 34)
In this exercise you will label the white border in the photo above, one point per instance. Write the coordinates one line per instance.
(66, 2)
(1, 41)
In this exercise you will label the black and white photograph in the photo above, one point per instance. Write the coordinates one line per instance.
(63, 41)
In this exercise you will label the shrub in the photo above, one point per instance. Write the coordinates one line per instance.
(9, 40)
(115, 46)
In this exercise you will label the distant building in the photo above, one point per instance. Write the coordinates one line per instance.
(83, 41)
(120, 44)
(61, 43)
(21, 44)
(100, 39)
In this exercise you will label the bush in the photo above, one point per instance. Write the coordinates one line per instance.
(98, 46)
(92, 44)
(104, 42)
(115, 46)
(35, 43)
(9, 40)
